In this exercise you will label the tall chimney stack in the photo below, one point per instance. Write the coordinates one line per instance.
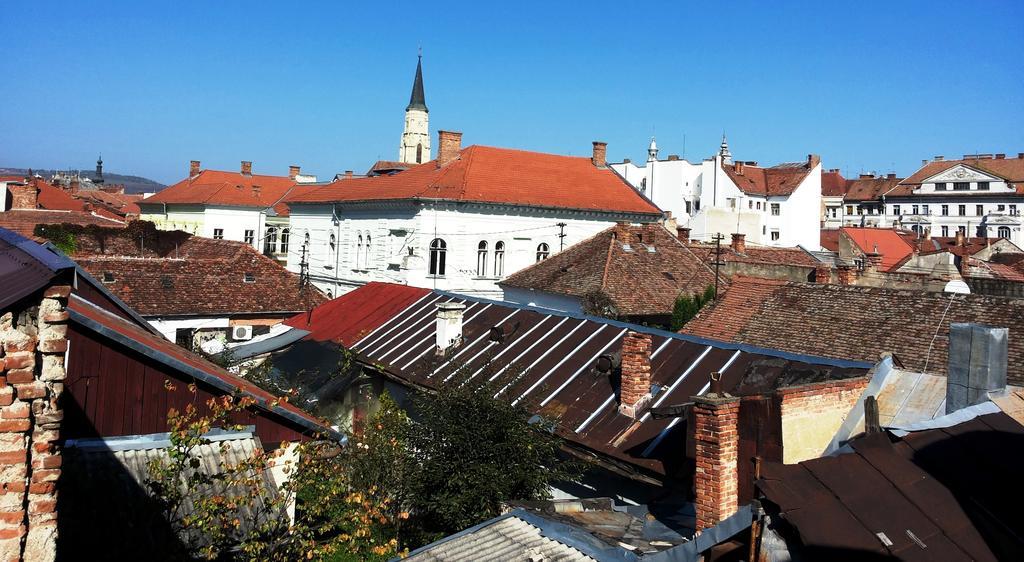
(600, 157)
(716, 445)
(449, 325)
(813, 160)
(246, 168)
(293, 171)
(739, 243)
(635, 387)
(193, 168)
(24, 196)
(449, 144)
(683, 234)
(960, 238)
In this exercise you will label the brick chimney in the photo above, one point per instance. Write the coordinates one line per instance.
(600, 157)
(624, 232)
(845, 275)
(246, 168)
(813, 160)
(940, 158)
(293, 171)
(873, 260)
(348, 174)
(683, 234)
(716, 446)
(449, 144)
(24, 196)
(635, 388)
(960, 239)
(965, 265)
(739, 243)
(449, 325)
(193, 168)
(822, 273)
(738, 167)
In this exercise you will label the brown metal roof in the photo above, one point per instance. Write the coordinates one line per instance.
(557, 352)
(941, 494)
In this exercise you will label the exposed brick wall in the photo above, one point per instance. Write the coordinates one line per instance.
(34, 340)
(812, 413)
(635, 390)
(716, 442)
(24, 196)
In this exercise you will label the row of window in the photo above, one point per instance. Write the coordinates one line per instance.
(751, 204)
(439, 253)
(962, 186)
(1001, 232)
(961, 210)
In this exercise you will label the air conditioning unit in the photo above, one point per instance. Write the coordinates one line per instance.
(241, 333)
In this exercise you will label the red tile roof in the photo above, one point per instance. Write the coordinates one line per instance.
(855, 322)
(56, 199)
(782, 179)
(885, 241)
(830, 239)
(1009, 169)
(120, 204)
(639, 282)
(869, 188)
(25, 221)
(350, 317)
(200, 277)
(387, 166)
(213, 187)
(496, 175)
(833, 184)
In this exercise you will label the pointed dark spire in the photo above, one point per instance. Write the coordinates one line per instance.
(417, 99)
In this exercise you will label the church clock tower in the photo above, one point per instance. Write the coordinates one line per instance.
(415, 146)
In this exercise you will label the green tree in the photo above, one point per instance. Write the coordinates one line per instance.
(687, 306)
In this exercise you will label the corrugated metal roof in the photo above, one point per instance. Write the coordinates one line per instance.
(950, 493)
(351, 316)
(25, 267)
(509, 538)
(557, 352)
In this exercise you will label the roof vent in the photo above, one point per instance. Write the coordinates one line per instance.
(166, 282)
(607, 363)
(108, 277)
(449, 325)
(499, 334)
(249, 277)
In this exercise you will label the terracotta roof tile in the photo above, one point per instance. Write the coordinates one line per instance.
(24, 221)
(213, 187)
(496, 175)
(856, 323)
(830, 239)
(638, 281)
(1010, 169)
(869, 189)
(833, 184)
(782, 179)
(886, 241)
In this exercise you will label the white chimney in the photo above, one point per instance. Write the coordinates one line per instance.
(449, 325)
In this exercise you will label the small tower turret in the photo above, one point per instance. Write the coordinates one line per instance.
(652, 150)
(723, 151)
(415, 145)
(99, 171)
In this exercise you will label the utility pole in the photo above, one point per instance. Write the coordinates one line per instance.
(718, 258)
(303, 269)
(561, 235)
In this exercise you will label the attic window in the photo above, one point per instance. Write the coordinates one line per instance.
(166, 282)
(108, 277)
(249, 277)
(668, 275)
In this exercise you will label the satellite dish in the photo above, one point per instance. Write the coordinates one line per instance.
(958, 287)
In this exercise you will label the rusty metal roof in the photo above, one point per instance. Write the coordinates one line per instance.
(949, 493)
(26, 267)
(555, 352)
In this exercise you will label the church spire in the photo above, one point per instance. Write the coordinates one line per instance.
(99, 170)
(417, 99)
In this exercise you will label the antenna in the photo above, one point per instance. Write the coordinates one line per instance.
(684, 146)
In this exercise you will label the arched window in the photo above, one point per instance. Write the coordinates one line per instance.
(285, 235)
(1004, 232)
(366, 254)
(543, 251)
(419, 153)
(359, 251)
(499, 259)
(438, 249)
(270, 241)
(332, 246)
(481, 259)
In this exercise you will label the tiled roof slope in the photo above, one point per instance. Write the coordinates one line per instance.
(757, 254)
(782, 179)
(214, 187)
(830, 239)
(856, 322)
(1010, 169)
(869, 188)
(207, 278)
(642, 280)
(833, 184)
(496, 175)
(25, 221)
(886, 241)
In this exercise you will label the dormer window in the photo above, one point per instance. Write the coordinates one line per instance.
(108, 277)
(166, 282)
(983, 185)
(961, 186)
(249, 277)
(940, 187)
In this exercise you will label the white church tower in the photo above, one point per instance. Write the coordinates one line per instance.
(415, 147)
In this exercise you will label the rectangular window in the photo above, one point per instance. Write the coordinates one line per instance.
(961, 186)
(896, 209)
(688, 207)
(983, 185)
(218, 234)
(979, 210)
(945, 231)
(1000, 208)
(961, 210)
(775, 235)
(915, 209)
(775, 209)
(1013, 210)
(945, 210)
(750, 204)
(250, 236)
(940, 187)
(849, 209)
(696, 205)
(962, 230)
(924, 209)
(758, 205)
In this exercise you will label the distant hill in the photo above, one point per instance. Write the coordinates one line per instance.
(132, 184)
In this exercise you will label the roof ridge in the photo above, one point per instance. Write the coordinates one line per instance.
(608, 258)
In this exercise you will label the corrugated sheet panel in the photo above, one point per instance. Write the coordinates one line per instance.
(510, 539)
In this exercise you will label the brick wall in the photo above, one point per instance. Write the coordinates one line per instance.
(812, 413)
(23, 196)
(34, 340)
(716, 442)
(635, 387)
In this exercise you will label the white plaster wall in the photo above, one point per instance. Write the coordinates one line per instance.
(168, 327)
(798, 221)
(670, 184)
(202, 220)
(416, 132)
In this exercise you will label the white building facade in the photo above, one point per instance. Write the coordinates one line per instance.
(777, 206)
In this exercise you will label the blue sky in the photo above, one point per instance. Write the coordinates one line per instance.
(151, 85)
